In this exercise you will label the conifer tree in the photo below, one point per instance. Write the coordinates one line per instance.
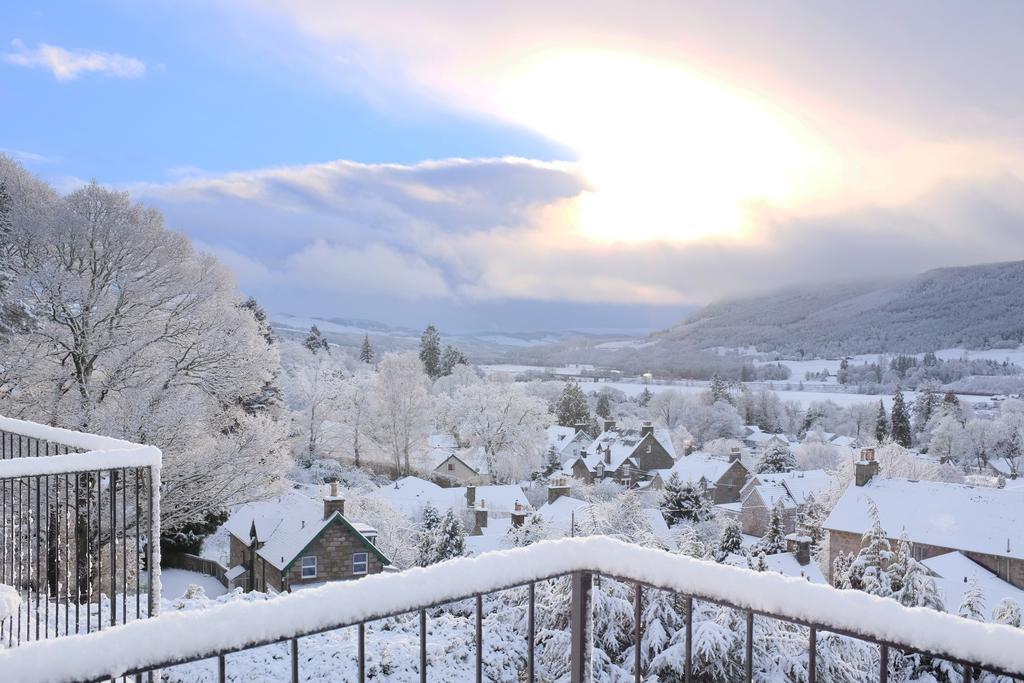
(811, 520)
(644, 398)
(973, 604)
(841, 571)
(690, 544)
(900, 422)
(315, 341)
(451, 538)
(759, 562)
(429, 528)
(777, 457)
(430, 352)
(774, 539)
(366, 351)
(719, 389)
(1007, 612)
(875, 554)
(604, 405)
(925, 405)
(681, 501)
(844, 371)
(881, 424)
(450, 358)
(572, 406)
(731, 540)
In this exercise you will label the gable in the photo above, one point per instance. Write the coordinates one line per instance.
(334, 519)
(460, 467)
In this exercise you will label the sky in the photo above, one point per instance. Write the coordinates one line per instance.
(535, 165)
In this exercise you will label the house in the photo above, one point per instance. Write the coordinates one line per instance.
(721, 478)
(985, 524)
(409, 495)
(628, 456)
(567, 442)
(791, 491)
(277, 546)
(953, 573)
(755, 437)
(795, 562)
(455, 466)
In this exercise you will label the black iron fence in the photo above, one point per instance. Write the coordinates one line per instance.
(78, 531)
(972, 647)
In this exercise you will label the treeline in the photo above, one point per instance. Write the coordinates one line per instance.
(910, 372)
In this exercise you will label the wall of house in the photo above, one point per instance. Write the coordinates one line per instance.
(656, 459)
(755, 517)
(238, 552)
(460, 473)
(727, 488)
(333, 550)
(580, 471)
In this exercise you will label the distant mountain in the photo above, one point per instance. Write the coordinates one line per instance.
(973, 307)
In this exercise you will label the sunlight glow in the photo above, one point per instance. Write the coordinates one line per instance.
(670, 155)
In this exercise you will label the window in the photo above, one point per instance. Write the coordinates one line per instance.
(309, 567)
(451, 467)
(648, 447)
(360, 563)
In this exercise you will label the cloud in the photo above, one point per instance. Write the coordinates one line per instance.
(67, 65)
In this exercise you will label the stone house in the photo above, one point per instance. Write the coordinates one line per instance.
(627, 456)
(565, 443)
(791, 491)
(985, 524)
(722, 479)
(457, 469)
(298, 541)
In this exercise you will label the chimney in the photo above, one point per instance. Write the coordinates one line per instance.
(480, 520)
(607, 455)
(334, 503)
(803, 551)
(557, 488)
(609, 424)
(518, 515)
(471, 497)
(735, 454)
(866, 467)
(646, 428)
(580, 427)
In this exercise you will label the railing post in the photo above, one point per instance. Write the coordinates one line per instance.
(530, 633)
(812, 657)
(580, 625)
(423, 646)
(479, 639)
(362, 653)
(689, 639)
(749, 655)
(883, 666)
(637, 631)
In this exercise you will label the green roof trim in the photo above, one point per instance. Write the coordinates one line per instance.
(337, 516)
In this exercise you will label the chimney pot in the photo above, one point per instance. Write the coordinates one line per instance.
(803, 552)
(470, 496)
(557, 488)
(334, 488)
(646, 428)
(735, 454)
(609, 424)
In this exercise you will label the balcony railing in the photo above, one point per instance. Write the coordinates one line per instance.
(79, 531)
(214, 633)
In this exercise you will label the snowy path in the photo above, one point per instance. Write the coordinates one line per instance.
(175, 581)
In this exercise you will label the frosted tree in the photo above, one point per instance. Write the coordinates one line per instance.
(719, 389)
(690, 544)
(315, 341)
(366, 351)
(757, 561)
(401, 408)
(662, 619)
(503, 422)
(604, 405)
(947, 438)
(812, 519)
(925, 405)
(451, 538)
(312, 382)
(777, 457)
(973, 604)
(644, 398)
(450, 359)
(899, 428)
(533, 529)
(427, 543)
(841, 569)
(881, 424)
(681, 501)
(668, 407)
(707, 422)
(353, 404)
(875, 554)
(731, 540)
(430, 352)
(774, 539)
(983, 440)
(572, 408)
(1007, 612)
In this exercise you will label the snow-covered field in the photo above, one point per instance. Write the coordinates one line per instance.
(174, 583)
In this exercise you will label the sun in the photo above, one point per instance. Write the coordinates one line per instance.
(669, 154)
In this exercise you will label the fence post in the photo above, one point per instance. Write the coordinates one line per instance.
(581, 627)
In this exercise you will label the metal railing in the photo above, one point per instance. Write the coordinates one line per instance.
(79, 531)
(217, 632)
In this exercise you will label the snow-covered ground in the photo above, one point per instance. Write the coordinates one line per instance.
(174, 583)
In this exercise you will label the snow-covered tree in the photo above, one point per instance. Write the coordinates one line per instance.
(881, 424)
(774, 539)
(1007, 612)
(689, 543)
(719, 389)
(312, 382)
(604, 405)
(973, 604)
(430, 352)
(731, 540)
(504, 423)
(777, 457)
(681, 501)
(899, 428)
(706, 422)
(947, 439)
(366, 351)
(572, 408)
(352, 414)
(644, 398)
(430, 529)
(451, 538)
(450, 359)
(315, 342)
(401, 407)
(875, 554)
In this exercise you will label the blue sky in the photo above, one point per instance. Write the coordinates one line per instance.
(537, 165)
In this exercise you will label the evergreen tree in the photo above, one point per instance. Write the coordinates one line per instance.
(811, 520)
(758, 562)
(644, 398)
(925, 405)
(451, 538)
(774, 539)
(533, 529)
(690, 544)
(428, 535)
(681, 501)
(844, 371)
(881, 424)
(366, 351)
(951, 406)
(900, 422)
(604, 405)
(572, 406)
(719, 389)
(1007, 612)
(450, 358)
(662, 619)
(777, 457)
(731, 540)
(875, 554)
(973, 604)
(430, 352)
(917, 587)
(841, 571)
(315, 341)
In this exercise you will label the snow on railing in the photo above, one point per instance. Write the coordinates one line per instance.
(62, 492)
(190, 636)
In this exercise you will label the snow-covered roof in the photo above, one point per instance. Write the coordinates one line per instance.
(660, 528)
(785, 564)
(622, 443)
(696, 466)
(494, 536)
(285, 525)
(771, 495)
(559, 514)
(800, 483)
(410, 495)
(566, 440)
(953, 571)
(982, 520)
